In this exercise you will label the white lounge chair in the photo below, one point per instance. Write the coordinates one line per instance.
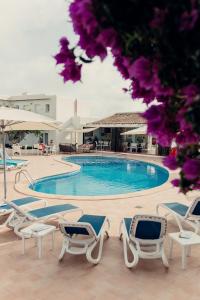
(6, 154)
(144, 236)
(6, 209)
(82, 237)
(22, 218)
(183, 213)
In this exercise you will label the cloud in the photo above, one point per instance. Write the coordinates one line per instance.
(29, 32)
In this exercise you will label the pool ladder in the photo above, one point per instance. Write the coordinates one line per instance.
(26, 174)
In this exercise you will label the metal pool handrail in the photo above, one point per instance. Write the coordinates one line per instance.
(26, 174)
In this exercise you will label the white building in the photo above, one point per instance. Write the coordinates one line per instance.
(41, 104)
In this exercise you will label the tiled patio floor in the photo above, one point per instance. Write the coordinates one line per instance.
(24, 277)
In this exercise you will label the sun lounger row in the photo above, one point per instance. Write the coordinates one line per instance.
(143, 235)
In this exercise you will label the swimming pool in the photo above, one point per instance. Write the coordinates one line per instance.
(100, 175)
(14, 162)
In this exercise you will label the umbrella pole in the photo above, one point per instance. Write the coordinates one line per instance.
(4, 160)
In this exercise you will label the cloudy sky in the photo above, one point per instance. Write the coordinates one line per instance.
(29, 34)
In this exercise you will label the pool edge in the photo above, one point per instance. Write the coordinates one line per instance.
(24, 188)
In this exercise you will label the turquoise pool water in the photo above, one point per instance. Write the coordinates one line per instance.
(100, 175)
(14, 162)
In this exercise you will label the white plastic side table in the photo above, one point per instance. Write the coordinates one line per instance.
(185, 243)
(37, 231)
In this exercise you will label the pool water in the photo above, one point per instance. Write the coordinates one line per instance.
(13, 162)
(100, 175)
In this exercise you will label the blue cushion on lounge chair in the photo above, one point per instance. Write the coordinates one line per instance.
(128, 222)
(20, 202)
(179, 208)
(26, 200)
(196, 210)
(146, 229)
(76, 230)
(5, 206)
(50, 210)
(95, 221)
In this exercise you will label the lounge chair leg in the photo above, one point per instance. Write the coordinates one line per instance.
(63, 250)
(107, 235)
(135, 260)
(120, 230)
(90, 250)
(164, 258)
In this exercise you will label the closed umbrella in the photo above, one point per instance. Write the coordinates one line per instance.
(17, 119)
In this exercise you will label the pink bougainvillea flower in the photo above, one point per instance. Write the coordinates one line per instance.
(191, 169)
(190, 93)
(122, 64)
(64, 43)
(171, 162)
(187, 137)
(188, 20)
(176, 182)
(108, 38)
(139, 93)
(159, 124)
(96, 49)
(65, 55)
(141, 69)
(71, 72)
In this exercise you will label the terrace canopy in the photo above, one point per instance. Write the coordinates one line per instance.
(139, 130)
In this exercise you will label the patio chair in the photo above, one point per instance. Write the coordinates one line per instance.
(16, 149)
(144, 236)
(6, 209)
(22, 218)
(85, 148)
(132, 147)
(82, 237)
(183, 213)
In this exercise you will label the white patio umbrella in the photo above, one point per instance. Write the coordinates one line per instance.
(17, 119)
(73, 130)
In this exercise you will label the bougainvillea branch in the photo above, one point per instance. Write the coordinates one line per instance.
(156, 46)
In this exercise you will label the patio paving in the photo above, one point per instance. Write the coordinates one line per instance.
(25, 277)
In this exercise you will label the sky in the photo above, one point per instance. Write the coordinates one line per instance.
(29, 32)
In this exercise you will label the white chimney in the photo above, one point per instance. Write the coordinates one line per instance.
(75, 108)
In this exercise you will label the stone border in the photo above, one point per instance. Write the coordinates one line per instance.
(24, 189)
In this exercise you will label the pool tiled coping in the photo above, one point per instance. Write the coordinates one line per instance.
(24, 187)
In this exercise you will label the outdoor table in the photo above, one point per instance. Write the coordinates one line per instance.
(186, 239)
(37, 231)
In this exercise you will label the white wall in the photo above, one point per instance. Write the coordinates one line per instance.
(37, 104)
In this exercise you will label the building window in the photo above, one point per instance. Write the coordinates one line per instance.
(47, 108)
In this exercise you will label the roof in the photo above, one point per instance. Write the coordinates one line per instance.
(120, 120)
(139, 130)
(25, 97)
